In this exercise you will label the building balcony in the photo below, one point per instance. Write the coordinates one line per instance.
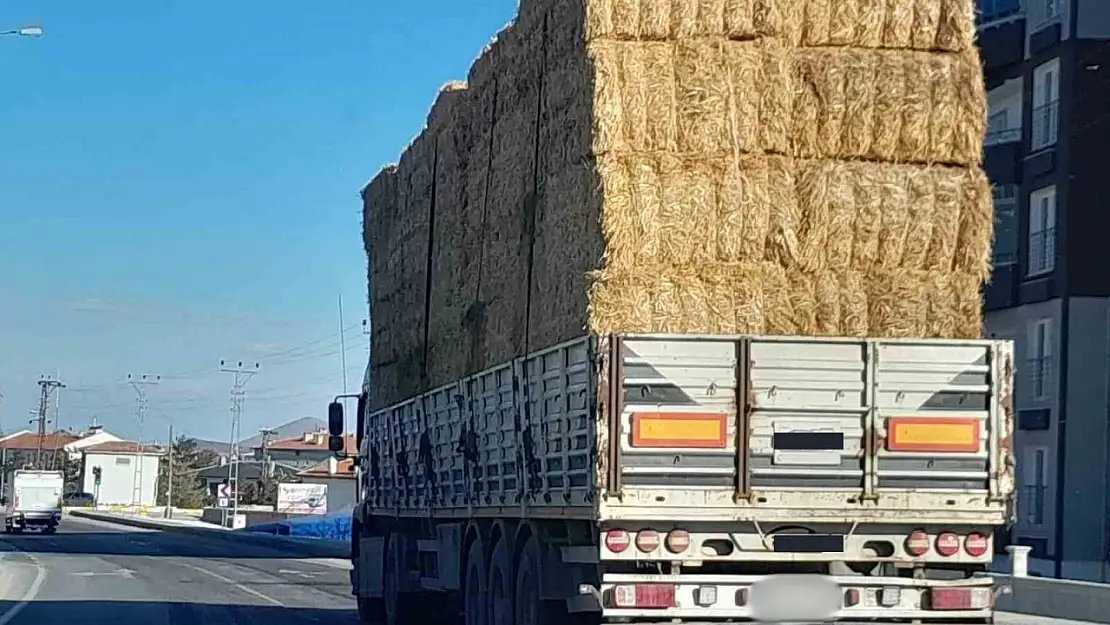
(1001, 25)
(1002, 155)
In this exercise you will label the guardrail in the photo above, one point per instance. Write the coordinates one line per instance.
(306, 547)
(1052, 598)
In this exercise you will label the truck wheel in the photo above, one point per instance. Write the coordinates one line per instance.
(530, 608)
(400, 608)
(474, 588)
(501, 585)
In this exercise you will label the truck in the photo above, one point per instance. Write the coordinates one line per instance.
(690, 478)
(33, 500)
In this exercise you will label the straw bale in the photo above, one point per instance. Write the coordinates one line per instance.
(894, 106)
(510, 200)
(456, 233)
(930, 25)
(379, 207)
(765, 298)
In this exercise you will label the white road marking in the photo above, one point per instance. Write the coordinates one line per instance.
(32, 590)
(246, 589)
(335, 563)
(125, 573)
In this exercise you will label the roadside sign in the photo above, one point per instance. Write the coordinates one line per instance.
(224, 491)
(223, 502)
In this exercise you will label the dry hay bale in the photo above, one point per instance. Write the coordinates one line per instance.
(861, 215)
(888, 105)
(940, 25)
(924, 304)
(681, 210)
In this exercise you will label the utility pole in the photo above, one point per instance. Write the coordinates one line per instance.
(169, 478)
(243, 373)
(47, 385)
(267, 435)
(140, 384)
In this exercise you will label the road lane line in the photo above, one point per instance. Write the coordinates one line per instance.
(32, 590)
(246, 589)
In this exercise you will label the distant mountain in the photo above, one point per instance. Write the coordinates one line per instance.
(292, 429)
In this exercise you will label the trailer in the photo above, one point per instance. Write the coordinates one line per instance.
(691, 478)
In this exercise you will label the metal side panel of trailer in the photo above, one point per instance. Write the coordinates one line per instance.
(711, 427)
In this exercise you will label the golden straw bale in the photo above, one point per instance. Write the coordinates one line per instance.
(858, 215)
(884, 105)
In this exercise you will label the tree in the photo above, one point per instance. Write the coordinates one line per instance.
(187, 459)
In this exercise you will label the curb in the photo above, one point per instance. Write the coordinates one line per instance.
(305, 547)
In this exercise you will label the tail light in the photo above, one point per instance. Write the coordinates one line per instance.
(658, 596)
(678, 541)
(917, 543)
(948, 544)
(960, 598)
(647, 540)
(851, 597)
(617, 540)
(742, 597)
(976, 544)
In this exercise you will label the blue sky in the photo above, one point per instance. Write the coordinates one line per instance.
(179, 184)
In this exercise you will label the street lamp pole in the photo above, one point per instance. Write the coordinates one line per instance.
(27, 31)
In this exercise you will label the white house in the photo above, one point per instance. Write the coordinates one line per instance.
(301, 452)
(339, 476)
(128, 473)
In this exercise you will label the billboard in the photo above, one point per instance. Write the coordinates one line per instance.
(302, 498)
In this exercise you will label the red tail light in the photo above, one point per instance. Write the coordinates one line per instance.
(659, 596)
(678, 541)
(617, 540)
(976, 544)
(948, 544)
(851, 597)
(917, 543)
(647, 540)
(960, 598)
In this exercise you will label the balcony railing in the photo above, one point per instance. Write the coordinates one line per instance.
(1038, 378)
(998, 137)
(1046, 123)
(1042, 252)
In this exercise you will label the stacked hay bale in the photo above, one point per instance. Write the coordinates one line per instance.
(751, 166)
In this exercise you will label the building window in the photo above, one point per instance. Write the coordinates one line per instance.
(1046, 105)
(1042, 231)
(1034, 485)
(1005, 224)
(990, 10)
(1039, 357)
(999, 129)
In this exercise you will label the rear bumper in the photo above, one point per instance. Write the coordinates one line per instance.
(732, 592)
(25, 519)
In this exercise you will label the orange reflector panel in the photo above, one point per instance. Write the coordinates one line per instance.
(940, 435)
(679, 429)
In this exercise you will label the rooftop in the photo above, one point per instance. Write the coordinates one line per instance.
(30, 440)
(124, 447)
(312, 441)
(333, 469)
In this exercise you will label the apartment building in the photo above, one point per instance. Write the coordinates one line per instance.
(1047, 70)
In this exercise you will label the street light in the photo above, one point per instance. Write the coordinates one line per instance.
(26, 31)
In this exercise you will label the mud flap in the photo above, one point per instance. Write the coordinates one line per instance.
(367, 576)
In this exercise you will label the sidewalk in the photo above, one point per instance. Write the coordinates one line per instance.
(309, 547)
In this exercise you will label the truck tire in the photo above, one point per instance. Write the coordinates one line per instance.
(501, 585)
(528, 603)
(474, 586)
(400, 608)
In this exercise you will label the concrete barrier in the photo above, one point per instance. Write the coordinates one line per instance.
(306, 547)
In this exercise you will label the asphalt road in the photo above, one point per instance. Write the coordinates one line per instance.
(98, 573)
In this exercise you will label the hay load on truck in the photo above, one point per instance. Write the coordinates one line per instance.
(33, 500)
(676, 312)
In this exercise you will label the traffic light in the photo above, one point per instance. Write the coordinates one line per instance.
(96, 475)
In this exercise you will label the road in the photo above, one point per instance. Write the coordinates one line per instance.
(98, 573)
